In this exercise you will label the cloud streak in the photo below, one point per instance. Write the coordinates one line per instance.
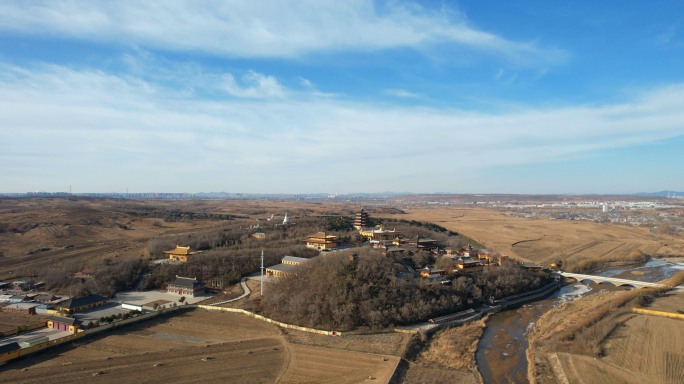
(264, 29)
(255, 85)
(59, 121)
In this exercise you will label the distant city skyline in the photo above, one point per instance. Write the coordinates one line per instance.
(341, 97)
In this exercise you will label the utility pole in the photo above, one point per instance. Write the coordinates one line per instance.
(262, 272)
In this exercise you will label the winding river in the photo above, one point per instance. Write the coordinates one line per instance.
(501, 353)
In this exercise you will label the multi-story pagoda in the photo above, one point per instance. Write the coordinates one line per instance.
(361, 220)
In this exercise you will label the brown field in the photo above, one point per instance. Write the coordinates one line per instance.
(651, 346)
(646, 349)
(455, 347)
(448, 358)
(38, 233)
(42, 233)
(196, 347)
(640, 348)
(672, 301)
(10, 321)
(382, 343)
(421, 374)
(549, 240)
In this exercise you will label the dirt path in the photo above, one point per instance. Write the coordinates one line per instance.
(558, 368)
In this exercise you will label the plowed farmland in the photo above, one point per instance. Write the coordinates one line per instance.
(199, 346)
(647, 349)
(644, 349)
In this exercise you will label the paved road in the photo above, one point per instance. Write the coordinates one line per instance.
(245, 288)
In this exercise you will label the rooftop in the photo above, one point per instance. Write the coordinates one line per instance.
(323, 235)
(530, 264)
(465, 260)
(180, 250)
(282, 267)
(185, 282)
(81, 301)
(63, 320)
(295, 259)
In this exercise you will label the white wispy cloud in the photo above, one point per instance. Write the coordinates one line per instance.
(400, 93)
(59, 122)
(255, 85)
(263, 28)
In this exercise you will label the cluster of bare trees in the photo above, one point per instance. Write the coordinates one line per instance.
(231, 252)
(172, 215)
(110, 276)
(508, 279)
(589, 265)
(341, 292)
(222, 267)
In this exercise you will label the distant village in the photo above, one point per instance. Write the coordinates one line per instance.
(642, 213)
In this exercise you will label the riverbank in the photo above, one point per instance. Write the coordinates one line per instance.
(500, 355)
(600, 339)
(504, 357)
(443, 356)
(591, 265)
(672, 259)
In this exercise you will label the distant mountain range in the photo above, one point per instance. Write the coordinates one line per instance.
(661, 194)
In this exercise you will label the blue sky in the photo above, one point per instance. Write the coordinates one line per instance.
(338, 97)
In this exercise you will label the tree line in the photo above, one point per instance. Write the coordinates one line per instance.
(340, 292)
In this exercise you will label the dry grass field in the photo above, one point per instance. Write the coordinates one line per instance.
(673, 301)
(640, 348)
(549, 240)
(421, 374)
(42, 233)
(455, 347)
(382, 343)
(10, 321)
(646, 349)
(449, 357)
(38, 233)
(649, 346)
(196, 347)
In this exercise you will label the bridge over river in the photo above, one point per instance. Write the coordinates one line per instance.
(612, 280)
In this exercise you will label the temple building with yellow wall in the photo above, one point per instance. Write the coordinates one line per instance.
(287, 265)
(380, 234)
(321, 240)
(181, 254)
